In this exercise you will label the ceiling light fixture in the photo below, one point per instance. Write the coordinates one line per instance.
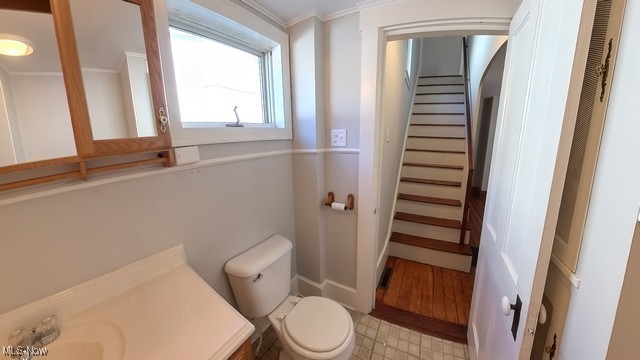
(14, 45)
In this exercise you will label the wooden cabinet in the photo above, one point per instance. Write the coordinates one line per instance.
(244, 352)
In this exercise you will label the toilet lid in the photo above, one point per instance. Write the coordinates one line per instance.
(318, 324)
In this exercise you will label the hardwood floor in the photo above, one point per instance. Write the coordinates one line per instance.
(476, 214)
(431, 299)
(427, 298)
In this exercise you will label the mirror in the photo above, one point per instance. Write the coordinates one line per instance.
(111, 49)
(35, 120)
(112, 104)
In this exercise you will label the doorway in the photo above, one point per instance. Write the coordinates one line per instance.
(425, 294)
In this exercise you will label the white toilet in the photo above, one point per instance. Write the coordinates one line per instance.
(308, 328)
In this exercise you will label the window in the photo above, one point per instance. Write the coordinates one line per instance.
(224, 59)
(219, 82)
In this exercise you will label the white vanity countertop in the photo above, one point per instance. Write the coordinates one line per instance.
(173, 316)
(160, 307)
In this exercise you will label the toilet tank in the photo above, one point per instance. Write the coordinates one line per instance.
(261, 276)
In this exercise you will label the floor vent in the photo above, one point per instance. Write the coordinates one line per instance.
(386, 276)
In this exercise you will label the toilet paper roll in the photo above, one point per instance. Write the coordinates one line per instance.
(338, 206)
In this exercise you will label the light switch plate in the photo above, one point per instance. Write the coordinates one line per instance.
(187, 155)
(339, 138)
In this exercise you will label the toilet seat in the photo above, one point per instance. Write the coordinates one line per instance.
(317, 325)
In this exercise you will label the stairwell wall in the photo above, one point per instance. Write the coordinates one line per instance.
(397, 99)
(441, 55)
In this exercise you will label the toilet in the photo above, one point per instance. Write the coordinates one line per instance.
(309, 328)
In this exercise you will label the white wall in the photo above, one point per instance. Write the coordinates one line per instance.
(481, 51)
(613, 210)
(441, 56)
(56, 241)
(624, 338)
(45, 127)
(7, 152)
(342, 74)
(106, 104)
(396, 106)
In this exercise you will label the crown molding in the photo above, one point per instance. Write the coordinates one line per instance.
(266, 12)
(305, 16)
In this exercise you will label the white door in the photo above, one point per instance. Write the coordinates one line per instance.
(519, 220)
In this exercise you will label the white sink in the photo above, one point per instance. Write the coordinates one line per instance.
(96, 340)
(73, 350)
(157, 308)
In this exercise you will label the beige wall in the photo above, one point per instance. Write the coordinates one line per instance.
(326, 86)
(441, 56)
(52, 242)
(308, 166)
(624, 337)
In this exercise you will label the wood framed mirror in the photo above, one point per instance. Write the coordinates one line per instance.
(134, 90)
(104, 30)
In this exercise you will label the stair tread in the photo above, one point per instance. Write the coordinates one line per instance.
(439, 103)
(438, 76)
(429, 199)
(433, 244)
(439, 166)
(436, 151)
(428, 220)
(412, 124)
(437, 137)
(443, 93)
(437, 113)
(450, 84)
(432, 181)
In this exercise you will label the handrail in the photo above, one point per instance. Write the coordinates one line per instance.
(465, 209)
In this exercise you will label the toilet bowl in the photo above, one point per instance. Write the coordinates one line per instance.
(312, 328)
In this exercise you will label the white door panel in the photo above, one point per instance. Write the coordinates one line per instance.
(516, 241)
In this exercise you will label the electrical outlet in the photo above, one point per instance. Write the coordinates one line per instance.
(187, 155)
(339, 138)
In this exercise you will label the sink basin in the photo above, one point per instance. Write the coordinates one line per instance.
(156, 308)
(95, 340)
(75, 350)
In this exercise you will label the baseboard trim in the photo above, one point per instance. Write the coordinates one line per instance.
(330, 289)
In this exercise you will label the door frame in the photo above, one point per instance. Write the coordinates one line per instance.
(374, 43)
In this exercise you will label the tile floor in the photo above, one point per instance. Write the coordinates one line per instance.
(379, 340)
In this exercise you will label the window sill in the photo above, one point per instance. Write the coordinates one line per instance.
(222, 134)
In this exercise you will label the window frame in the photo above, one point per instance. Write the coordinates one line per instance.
(245, 30)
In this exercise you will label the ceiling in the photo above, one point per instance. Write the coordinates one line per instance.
(288, 12)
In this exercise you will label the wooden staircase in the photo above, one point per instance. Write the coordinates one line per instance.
(427, 225)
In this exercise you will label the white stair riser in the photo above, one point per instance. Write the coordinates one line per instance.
(438, 97)
(447, 192)
(431, 257)
(456, 79)
(438, 119)
(437, 144)
(457, 131)
(434, 158)
(423, 172)
(438, 108)
(428, 209)
(439, 89)
(430, 231)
